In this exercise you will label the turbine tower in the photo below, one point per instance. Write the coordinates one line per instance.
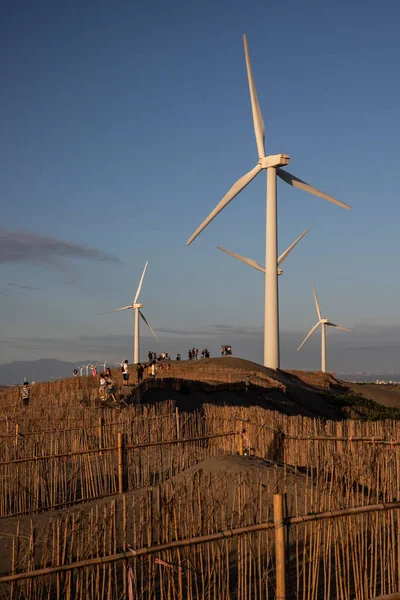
(136, 306)
(272, 164)
(324, 323)
(256, 265)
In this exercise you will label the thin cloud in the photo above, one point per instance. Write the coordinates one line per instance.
(235, 329)
(23, 287)
(211, 330)
(27, 247)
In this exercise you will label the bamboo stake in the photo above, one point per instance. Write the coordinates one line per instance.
(16, 437)
(279, 547)
(120, 463)
(124, 530)
(240, 438)
(13, 567)
(101, 434)
(178, 435)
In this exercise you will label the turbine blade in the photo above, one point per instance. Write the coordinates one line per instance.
(338, 326)
(288, 251)
(317, 306)
(259, 128)
(116, 310)
(234, 191)
(308, 335)
(140, 282)
(246, 261)
(148, 325)
(306, 187)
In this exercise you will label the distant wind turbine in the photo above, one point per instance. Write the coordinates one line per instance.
(136, 306)
(324, 323)
(87, 368)
(80, 367)
(256, 265)
(272, 164)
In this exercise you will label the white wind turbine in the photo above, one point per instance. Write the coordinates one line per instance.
(324, 323)
(256, 265)
(272, 164)
(80, 367)
(136, 306)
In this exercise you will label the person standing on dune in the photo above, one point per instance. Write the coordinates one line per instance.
(125, 373)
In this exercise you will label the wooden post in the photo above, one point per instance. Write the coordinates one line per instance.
(120, 463)
(177, 423)
(13, 553)
(279, 547)
(124, 530)
(16, 435)
(240, 438)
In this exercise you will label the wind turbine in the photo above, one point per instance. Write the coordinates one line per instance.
(136, 306)
(272, 164)
(256, 265)
(324, 323)
(80, 367)
(87, 368)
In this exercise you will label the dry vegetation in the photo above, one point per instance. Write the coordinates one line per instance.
(71, 492)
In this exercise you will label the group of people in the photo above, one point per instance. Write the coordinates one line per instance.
(162, 356)
(226, 350)
(106, 386)
(93, 370)
(193, 354)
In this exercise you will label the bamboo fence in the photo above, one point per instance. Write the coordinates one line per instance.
(41, 467)
(177, 478)
(162, 547)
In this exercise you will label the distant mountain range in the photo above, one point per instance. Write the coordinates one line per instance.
(43, 369)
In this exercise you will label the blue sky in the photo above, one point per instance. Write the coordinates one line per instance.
(124, 124)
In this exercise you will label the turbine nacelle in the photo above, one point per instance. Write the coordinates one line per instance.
(324, 321)
(274, 160)
(137, 305)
